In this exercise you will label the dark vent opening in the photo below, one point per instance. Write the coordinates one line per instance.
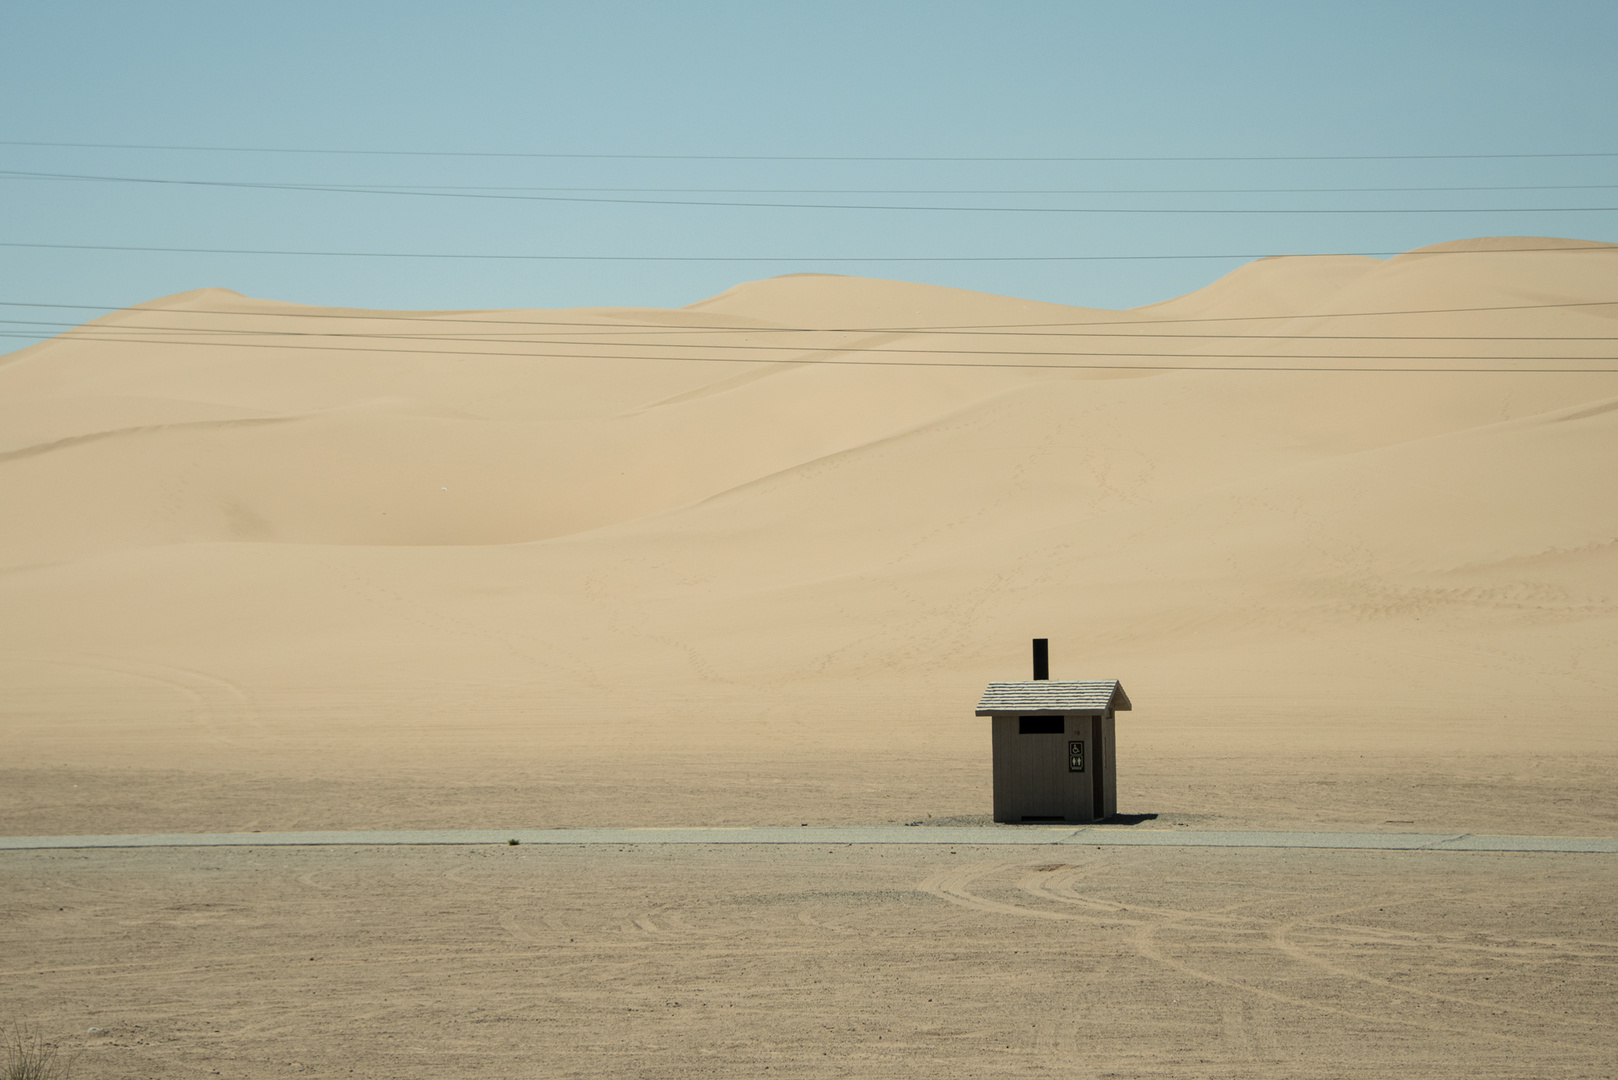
(1041, 725)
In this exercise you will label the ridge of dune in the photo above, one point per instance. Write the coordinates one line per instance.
(633, 437)
(1275, 285)
(836, 301)
(1510, 244)
(775, 494)
(205, 295)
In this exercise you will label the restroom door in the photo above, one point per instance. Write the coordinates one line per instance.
(1043, 789)
(1098, 765)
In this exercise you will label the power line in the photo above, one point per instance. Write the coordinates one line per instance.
(800, 157)
(634, 258)
(525, 257)
(735, 204)
(988, 329)
(799, 349)
(644, 330)
(943, 364)
(987, 191)
(931, 191)
(99, 333)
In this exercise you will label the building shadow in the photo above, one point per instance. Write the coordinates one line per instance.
(1127, 819)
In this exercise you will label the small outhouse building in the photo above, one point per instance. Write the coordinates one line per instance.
(1053, 746)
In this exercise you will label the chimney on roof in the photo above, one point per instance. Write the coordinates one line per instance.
(1042, 659)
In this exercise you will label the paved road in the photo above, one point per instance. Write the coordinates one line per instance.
(1025, 835)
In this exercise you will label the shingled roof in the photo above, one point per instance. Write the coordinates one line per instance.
(1051, 696)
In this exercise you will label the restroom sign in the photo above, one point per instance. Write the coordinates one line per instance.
(1075, 756)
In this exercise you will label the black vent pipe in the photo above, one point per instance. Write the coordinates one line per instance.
(1042, 659)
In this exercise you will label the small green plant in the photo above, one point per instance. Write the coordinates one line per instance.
(29, 1057)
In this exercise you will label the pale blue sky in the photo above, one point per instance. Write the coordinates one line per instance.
(824, 79)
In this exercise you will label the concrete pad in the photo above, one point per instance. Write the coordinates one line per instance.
(1019, 835)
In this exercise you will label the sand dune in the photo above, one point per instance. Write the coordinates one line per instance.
(254, 536)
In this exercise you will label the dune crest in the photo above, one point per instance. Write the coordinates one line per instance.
(839, 494)
(836, 301)
(1278, 285)
(1519, 244)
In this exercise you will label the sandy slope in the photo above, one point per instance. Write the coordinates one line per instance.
(693, 552)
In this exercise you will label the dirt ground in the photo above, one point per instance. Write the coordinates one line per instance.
(1550, 795)
(840, 961)
(274, 580)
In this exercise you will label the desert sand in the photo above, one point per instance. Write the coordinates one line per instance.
(741, 962)
(1344, 527)
(274, 566)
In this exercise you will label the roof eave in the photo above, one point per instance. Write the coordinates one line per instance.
(1040, 712)
(1117, 701)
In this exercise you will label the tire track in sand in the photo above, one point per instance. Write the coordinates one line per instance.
(955, 886)
(1280, 939)
(226, 714)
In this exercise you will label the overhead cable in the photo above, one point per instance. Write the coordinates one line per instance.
(835, 361)
(735, 204)
(990, 329)
(924, 191)
(95, 330)
(528, 257)
(800, 157)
